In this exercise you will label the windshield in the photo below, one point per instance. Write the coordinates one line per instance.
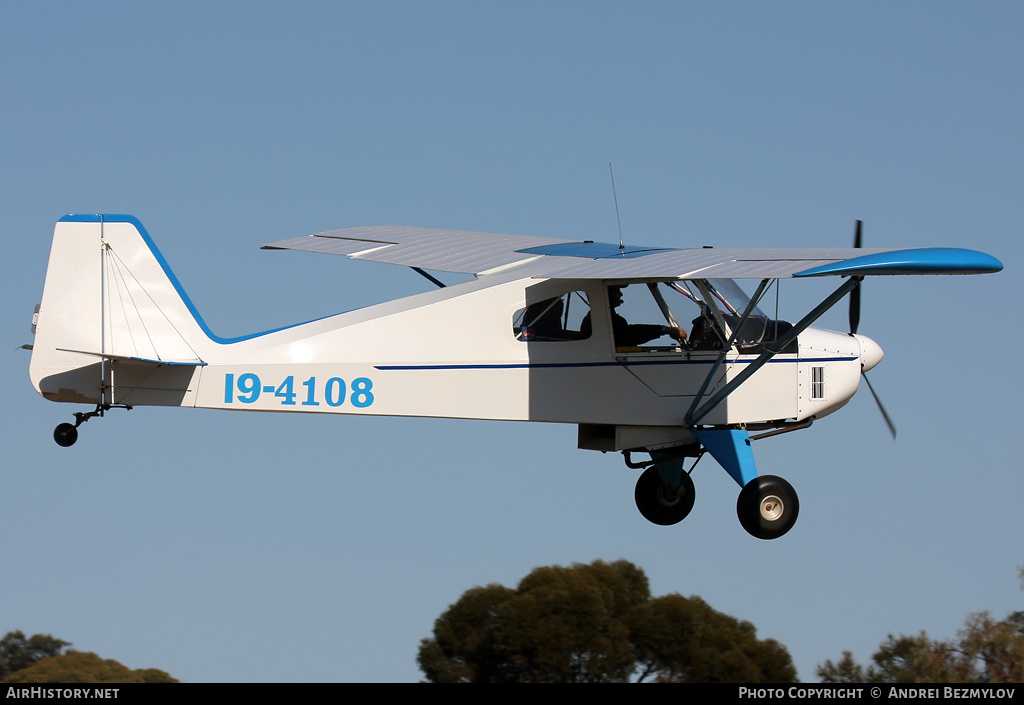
(731, 298)
(729, 302)
(733, 301)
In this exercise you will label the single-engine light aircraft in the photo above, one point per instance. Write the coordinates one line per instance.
(548, 329)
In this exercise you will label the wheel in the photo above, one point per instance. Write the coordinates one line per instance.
(658, 503)
(767, 507)
(65, 434)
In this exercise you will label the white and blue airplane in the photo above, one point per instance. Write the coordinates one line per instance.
(548, 329)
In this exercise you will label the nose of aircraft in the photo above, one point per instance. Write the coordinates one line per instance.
(871, 353)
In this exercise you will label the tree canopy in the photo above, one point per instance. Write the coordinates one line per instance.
(591, 623)
(985, 650)
(85, 667)
(18, 651)
(42, 658)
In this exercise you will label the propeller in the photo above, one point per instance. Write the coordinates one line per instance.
(855, 322)
(885, 414)
(855, 294)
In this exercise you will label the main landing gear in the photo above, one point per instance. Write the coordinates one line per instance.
(661, 504)
(767, 505)
(664, 493)
(66, 434)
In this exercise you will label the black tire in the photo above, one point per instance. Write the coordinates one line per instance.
(65, 434)
(659, 504)
(767, 507)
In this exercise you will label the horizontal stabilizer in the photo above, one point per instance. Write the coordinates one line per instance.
(132, 358)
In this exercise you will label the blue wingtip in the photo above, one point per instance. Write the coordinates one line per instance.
(927, 260)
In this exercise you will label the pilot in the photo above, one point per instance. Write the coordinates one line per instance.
(632, 334)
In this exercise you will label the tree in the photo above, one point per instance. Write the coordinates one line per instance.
(18, 652)
(994, 648)
(594, 623)
(984, 651)
(903, 659)
(45, 659)
(85, 667)
(463, 649)
(686, 641)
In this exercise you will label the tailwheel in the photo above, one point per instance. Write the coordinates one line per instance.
(661, 504)
(65, 434)
(767, 507)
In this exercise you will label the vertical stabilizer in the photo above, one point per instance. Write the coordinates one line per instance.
(109, 296)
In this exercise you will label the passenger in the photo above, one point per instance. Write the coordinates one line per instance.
(543, 321)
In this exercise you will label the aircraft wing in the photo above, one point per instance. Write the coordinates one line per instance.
(428, 248)
(483, 253)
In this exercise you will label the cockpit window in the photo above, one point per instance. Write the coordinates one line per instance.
(556, 319)
(722, 304)
(643, 321)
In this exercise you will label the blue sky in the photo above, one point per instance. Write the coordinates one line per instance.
(261, 547)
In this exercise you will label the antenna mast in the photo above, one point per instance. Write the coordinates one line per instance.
(619, 220)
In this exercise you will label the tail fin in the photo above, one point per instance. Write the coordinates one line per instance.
(111, 300)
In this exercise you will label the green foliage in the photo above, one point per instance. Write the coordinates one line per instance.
(994, 648)
(463, 648)
(985, 650)
(84, 667)
(902, 659)
(44, 659)
(593, 623)
(686, 641)
(845, 671)
(18, 652)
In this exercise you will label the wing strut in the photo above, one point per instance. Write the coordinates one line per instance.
(432, 278)
(751, 305)
(665, 310)
(774, 349)
(711, 307)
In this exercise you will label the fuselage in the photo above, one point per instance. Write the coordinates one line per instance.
(490, 348)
